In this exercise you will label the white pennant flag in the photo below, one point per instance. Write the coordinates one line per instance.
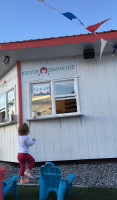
(103, 44)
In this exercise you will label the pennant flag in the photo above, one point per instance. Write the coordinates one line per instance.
(115, 48)
(68, 15)
(71, 16)
(94, 27)
(103, 44)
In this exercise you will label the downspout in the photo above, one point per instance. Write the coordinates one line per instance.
(19, 93)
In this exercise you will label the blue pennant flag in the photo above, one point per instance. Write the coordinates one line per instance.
(71, 16)
(115, 46)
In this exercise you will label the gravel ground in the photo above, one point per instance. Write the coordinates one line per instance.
(87, 173)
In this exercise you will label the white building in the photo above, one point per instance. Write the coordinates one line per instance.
(69, 102)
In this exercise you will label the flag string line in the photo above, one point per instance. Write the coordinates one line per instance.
(79, 24)
(59, 12)
(103, 39)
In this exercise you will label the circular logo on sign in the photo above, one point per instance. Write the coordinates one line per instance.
(43, 70)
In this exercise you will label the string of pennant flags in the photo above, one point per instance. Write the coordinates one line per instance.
(91, 28)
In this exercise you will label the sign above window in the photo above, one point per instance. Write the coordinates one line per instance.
(46, 70)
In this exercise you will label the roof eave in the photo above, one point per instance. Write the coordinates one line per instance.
(58, 41)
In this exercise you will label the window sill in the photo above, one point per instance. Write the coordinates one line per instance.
(55, 116)
(7, 123)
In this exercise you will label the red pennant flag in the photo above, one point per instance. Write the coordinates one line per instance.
(94, 27)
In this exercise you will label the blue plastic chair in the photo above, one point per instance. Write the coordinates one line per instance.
(50, 180)
(9, 185)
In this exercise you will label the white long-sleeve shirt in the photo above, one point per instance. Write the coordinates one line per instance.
(24, 143)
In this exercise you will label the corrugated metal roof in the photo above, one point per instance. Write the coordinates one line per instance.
(58, 37)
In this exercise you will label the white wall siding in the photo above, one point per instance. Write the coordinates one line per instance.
(114, 97)
(93, 135)
(73, 138)
(106, 108)
(90, 136)
(97, 110)
(57, 145)
(87, 109)
(8, 143)
(8, 133)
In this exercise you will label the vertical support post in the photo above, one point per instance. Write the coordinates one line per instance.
(3, 170)
(19, 93)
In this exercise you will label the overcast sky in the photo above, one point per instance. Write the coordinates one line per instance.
(31, 19)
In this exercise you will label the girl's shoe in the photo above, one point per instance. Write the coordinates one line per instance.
(24, 181)
(27, 174)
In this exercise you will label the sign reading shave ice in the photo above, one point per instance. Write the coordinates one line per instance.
(48, 70)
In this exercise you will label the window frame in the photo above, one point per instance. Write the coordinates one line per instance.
(6, 105)
(44, 82)
(53, 99)
(66, 96)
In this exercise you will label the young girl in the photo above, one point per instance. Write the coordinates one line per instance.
(23, 152)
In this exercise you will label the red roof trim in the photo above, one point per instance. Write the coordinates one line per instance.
(57, 41)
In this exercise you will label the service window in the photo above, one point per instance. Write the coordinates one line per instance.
(11, 105)
(2, 108)
(41, 99)
(55, 98)
(7, 106)
(65, 97)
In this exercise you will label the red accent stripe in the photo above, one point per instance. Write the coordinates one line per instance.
(19, 93)
(57, 41)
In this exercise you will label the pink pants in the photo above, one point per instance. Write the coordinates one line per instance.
(23, 158)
